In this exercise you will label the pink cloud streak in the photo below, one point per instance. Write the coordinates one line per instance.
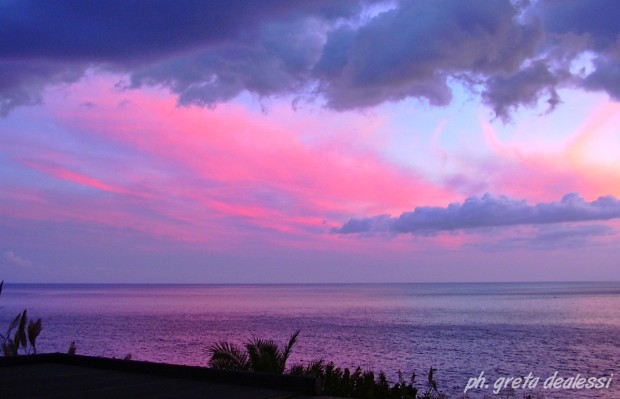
(62, 173)
(230, 176)
(220, 176)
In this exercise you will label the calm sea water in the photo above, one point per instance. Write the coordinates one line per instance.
(460, 329)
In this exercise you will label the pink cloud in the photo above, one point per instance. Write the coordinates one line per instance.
(63, 173)
(585, 161)
(230, 176)
(220, 176)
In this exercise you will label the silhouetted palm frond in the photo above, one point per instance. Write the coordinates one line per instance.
(287, 349)
(14, 323)
(265, 356)
(34, 329)
(262, 355)
(9, 349)
(227, 356)
(20, 337)
(315, 368)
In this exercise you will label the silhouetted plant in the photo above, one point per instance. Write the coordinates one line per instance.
(262, 355)
(34, 329)
(21, 335)
(227, 356)
(431, 391)
(72, 349)
(266, 356)
(336, 381)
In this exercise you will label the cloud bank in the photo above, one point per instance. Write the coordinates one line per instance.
(486, 211)
(350, 54)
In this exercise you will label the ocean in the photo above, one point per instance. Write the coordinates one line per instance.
(501, 329)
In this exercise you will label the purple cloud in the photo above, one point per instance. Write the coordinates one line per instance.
(504, 94)
(412, 51)
(158, 42)
(486, 211)
(606, 77)
(209, 52)
(551, 236)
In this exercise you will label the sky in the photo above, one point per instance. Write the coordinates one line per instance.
(309, 141)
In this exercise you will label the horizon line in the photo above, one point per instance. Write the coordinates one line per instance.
(314, 283)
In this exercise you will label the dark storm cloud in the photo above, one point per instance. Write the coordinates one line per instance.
(411, 51)
(526, 87)
(209, 52)
(606, 77)
(598, 19)
(21, 82)
(486, 211)
(280, 63)
(138, 30)
(590, 25)
(205, 51)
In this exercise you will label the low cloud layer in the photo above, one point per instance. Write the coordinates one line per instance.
(351, 54)
(486, 211)
(556, 236)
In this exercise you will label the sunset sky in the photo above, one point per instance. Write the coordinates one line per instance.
(309, 141)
